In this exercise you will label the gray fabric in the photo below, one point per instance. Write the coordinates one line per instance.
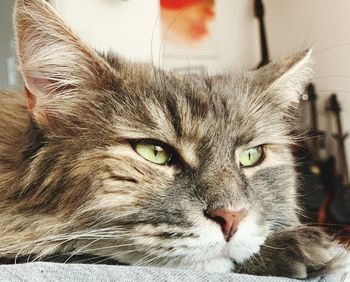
(41, 271)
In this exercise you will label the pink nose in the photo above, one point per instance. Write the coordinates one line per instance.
(228, 221)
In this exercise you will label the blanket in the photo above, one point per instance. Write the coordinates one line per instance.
(45, 271)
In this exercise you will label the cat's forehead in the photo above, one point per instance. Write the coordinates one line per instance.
(188, 110)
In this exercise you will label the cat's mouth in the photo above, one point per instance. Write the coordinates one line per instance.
(203, 247)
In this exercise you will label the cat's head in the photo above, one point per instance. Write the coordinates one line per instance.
(153, 167)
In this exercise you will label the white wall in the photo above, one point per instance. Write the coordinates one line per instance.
(235, 31)
(124, 26)
(127, 26)
(296, 24)
(8, 75)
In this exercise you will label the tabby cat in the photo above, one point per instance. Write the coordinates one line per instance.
(111, 159)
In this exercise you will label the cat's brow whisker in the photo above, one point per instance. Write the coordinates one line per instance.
(334, 90)
(165, 35)
(305, 45)
(332, 76)
(156, 23)
(317, 52)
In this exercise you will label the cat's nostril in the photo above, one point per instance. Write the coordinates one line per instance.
(228, 221)
(218, 219)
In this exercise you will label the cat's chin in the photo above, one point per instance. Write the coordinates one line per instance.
(221, 264)
(244, 244)
(247, 240)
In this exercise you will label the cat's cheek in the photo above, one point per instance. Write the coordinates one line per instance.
(340, 257)
(248, 239)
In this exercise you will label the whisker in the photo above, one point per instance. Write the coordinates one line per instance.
(271, 247)
(317, 52)
(334, 90)
(80, 249)
(115, 256)
(332, 76)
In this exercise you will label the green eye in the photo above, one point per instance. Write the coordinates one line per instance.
(153, 152)
(251, 156)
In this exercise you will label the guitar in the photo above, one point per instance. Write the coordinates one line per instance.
(259, 14)
(317, 136)
(313, 170)
(339, 204)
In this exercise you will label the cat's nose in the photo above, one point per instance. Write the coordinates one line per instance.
(228, 220)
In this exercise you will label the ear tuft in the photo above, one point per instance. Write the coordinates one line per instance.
(287, 78)
(54, 62)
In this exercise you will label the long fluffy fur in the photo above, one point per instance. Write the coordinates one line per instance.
(71, 183)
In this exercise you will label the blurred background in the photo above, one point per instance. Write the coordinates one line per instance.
(221, 35)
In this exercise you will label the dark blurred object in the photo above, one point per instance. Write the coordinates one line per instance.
(259, 14)
(313, 170)
(336, 208)
(317, 136)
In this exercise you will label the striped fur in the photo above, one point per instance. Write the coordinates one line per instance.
(71, 183)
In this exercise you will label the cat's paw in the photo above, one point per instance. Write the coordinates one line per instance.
(342, 263)
(319, 253)
(300, 252)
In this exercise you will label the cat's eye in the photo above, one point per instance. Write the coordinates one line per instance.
(251, 157)
(153, 151)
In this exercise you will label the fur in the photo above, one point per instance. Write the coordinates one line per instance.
(71, 183)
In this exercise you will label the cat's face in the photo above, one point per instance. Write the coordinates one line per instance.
(146, 159)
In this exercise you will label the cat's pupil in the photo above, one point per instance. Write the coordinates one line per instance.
(250, 154)
(157, 149)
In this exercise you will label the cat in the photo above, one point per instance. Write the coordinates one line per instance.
(124, 161)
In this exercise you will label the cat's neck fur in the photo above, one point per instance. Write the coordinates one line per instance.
(19, 141)
(14, 128)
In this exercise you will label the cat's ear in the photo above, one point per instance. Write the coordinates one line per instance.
(286, 79)
(54, 62)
